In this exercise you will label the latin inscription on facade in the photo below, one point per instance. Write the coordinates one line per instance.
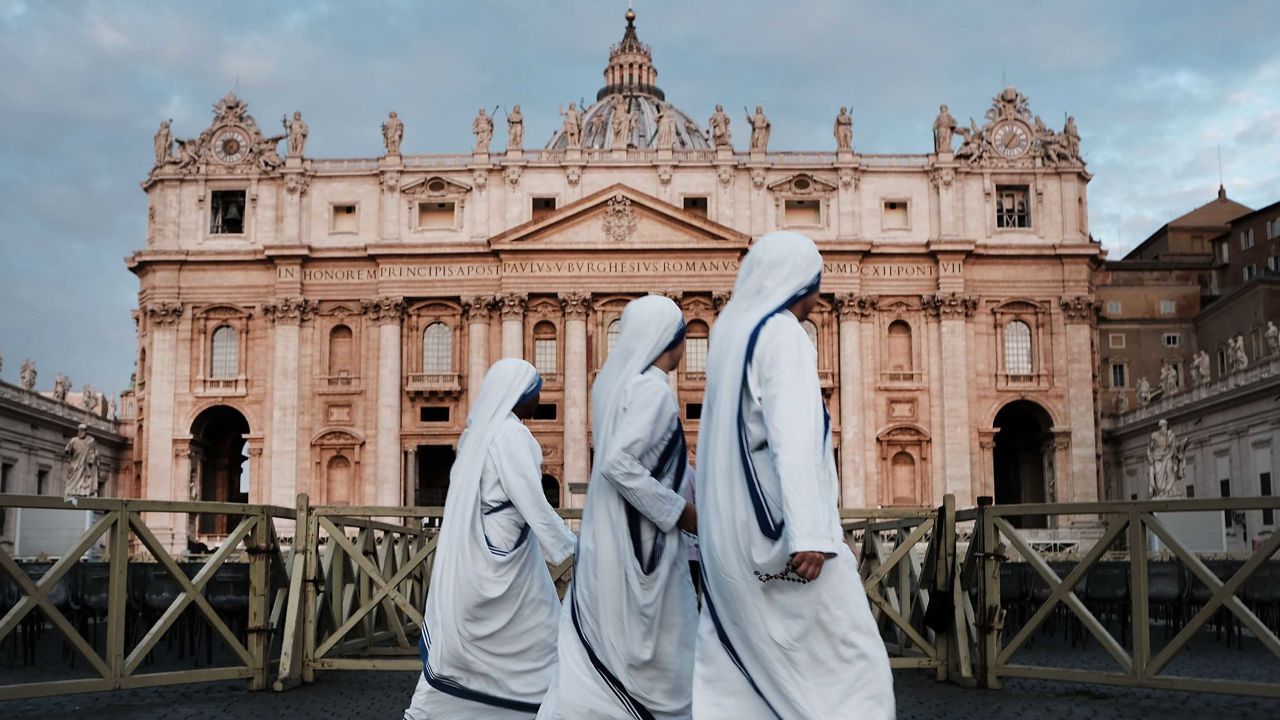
(594, 268)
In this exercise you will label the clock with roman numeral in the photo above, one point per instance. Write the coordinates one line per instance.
(231, 146)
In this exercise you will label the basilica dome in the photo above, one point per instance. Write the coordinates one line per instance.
(631, 78)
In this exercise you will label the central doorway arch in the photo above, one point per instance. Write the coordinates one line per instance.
(1023, 457)
(219, 463)
(434, 464)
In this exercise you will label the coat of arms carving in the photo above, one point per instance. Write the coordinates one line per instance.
(619, 219)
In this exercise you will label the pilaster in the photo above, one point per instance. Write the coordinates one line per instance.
(576, 461)
(953, 311)
(388, 314)
(512, 307)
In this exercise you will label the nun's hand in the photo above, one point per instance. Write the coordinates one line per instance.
(688, 521)
(808, 565)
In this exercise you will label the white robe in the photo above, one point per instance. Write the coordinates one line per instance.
(629, 625)
(489, 639)
(767, 489)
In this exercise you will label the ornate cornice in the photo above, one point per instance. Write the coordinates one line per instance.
(477, 307)
(853, 305)
(384, 309)
(163, 313)
(289, 309)
(950, 305)
(575, 304)
(1079, 308)
(512, 305)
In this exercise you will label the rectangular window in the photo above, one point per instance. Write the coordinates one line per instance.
(1222, 362)
(802, 213)
(1264, 489)
(1119, 375)
(693, 411)
(1172, 339)
(226, 212)
(544, 355)
(1250, 272)
(5, 470)
(1273, 263)
(344, 219)
(542, 207)
(894, 216)
(1113, 307)
(1012, 208)
(1191, 491)
(42, 480)
(695, 355)
(1225, 490)
(1246, 239)
(1116, 341)
(696, 204)
(435, 215)
(1168, 307)
(434, 414)
(545, 411)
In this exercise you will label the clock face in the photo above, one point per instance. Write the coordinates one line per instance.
(1011, 139)
(231, 146)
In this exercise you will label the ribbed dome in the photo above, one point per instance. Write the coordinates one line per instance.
(631, 75)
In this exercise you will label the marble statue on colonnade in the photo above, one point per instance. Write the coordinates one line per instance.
(844, 130)
(1166, 462)
(1272, 336)
(297, 130)
(88, 398)
(1200, 368)
(392, 133)
(944, 127)
(27, 375)
(760, 130)
(666, 135)
(515, 128)
(572, 127)
(82, 470)
(1121, 402)
(61, 386)
(1237, 359)
(1168, 379)
(719, 123)
(482, 128)
(1145, 393)
(164, 143)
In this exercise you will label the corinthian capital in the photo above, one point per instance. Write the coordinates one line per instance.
(163, 313)
(512, 305)
(575, 304)
(289, 309)
(477, 307)
(951, 305)
(1079, 308)
(384, 309)
(720, 298)
(855, 306)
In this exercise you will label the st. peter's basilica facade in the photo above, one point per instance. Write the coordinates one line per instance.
(312, 325)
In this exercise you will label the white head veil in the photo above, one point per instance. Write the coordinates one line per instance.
(650, 325)
(469, 603)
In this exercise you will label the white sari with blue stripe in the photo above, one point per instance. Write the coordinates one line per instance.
(766, 489)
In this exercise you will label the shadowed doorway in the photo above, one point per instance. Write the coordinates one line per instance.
(1023, 457)
(434, 464)
(219, 462)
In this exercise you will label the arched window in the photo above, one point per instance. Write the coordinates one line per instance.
(225, 353)
(1017, 348)
(695, 347)
(612, 335)
(341, 352)
(339, 480)
(900, 356)
(544, 348)
(812, 331)
(437, 349)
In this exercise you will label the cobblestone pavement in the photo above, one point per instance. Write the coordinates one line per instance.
(382, 695)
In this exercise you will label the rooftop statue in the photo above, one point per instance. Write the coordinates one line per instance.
(297, 131)
(482, 128)
(392, 133)
(844, 131)
(719, 123)
(944, 127)
(760, 129)
(515, 128)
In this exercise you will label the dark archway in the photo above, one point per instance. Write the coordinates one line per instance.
(551, 488)
(1023, 457)
(219, 463)
(434, 464)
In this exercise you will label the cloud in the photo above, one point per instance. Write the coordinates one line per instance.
(87, 82)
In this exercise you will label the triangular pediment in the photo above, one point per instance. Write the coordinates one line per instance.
(435, 186)
(620, 218)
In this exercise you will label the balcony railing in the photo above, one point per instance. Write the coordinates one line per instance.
(901, 377)
(1266, 370)
(339, 383)
(223, 387)
(434, 383)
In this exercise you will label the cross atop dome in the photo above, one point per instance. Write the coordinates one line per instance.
(630, 70)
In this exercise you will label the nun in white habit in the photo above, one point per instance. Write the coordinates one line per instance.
(488, 642)
(628, 629)
(786, 630)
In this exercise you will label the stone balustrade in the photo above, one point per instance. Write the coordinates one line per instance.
(1252, 378)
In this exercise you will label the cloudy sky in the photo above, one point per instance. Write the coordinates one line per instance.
(1156, 87)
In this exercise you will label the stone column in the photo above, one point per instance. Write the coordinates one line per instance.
(286, 316)
(477, 310)
(577, 463)
(512, 307)
(953, 310)
(184, 474)
(387, 313)
(410, 476)
(162, 366)
(1080, 313)
(852, 308)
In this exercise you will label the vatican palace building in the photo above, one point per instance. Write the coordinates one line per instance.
(321, 325)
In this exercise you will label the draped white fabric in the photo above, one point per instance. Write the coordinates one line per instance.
(489, 638)
(627, 632)
(766, 489)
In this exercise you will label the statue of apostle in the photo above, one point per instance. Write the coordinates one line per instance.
(666, 135)
(27, 375)
(163, 143)
(760, 129)
(572, 127)
(482, 128)
(82, 469)
(1168, 379)
(844, 131)
(1165, 462)
(1272, 336)
(719, 123)
(297, 131)
(621, 123)
(944, 127)
(515, 128)
(392, 133)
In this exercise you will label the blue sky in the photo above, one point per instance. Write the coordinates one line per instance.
(1155, 88)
